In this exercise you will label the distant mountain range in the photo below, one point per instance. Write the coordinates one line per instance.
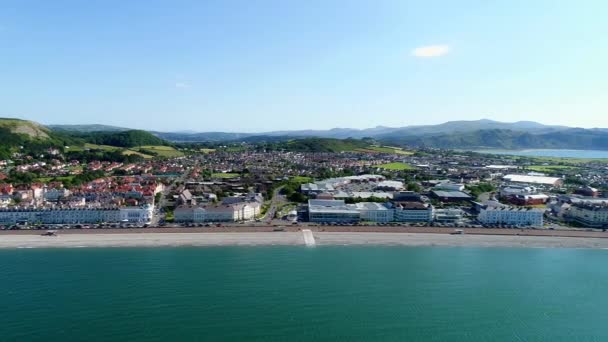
(86, 128)
(452, 134)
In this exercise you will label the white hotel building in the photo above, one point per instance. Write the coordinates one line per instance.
(413, 212)
(511, 216)
(336, 211)
(589, 214)
(218, 213)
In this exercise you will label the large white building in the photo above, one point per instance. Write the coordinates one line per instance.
(218, 213)
(449, 186)
(514, 190)
(55, 194)
(333, 184)
(373, 212)
(448, 215)
(413, 212)
(143, 214)
(337, 211)
(332, 211)
(533, 179)
(511, 216)
(589, 214)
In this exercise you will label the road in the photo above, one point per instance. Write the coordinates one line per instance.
(319, 228)
(276, 201)
(163, 198)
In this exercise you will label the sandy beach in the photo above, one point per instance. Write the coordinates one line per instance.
(292, 238)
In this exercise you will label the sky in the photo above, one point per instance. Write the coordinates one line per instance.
(255, 66)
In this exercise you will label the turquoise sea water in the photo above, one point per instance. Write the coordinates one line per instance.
(303, 294)
(593, 154)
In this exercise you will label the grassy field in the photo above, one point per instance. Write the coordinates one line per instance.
(131, 152)
(207, 150)
(384, 149)
(224, 175)
(560, 160)
(397, 166)
(48, 179)
(163, 151)
(301, 179)
(569, 160)
(399, 150)
(550, 168)
(99, 147)
(232, 149)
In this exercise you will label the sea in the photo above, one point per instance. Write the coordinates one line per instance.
(328, 293)
(586, 154)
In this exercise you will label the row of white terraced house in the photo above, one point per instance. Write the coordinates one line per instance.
(141, 214)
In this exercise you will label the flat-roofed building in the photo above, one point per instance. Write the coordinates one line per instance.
(389, 185)
(536, 199)
(511, 216)
(450, 196)
(331, 211)
(449, 186)
(534, 179)
(407, 196)
(449, 215)
(589, 214)
(413, 212)
(373, 212)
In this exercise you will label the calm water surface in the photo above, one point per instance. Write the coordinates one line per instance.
(593, 154)
(304, 294)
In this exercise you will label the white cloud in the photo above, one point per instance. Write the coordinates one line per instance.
(182, 85)
(431, 51)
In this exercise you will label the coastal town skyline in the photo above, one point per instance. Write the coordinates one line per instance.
(342, 170)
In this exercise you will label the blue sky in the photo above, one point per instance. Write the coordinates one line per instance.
(273, 65)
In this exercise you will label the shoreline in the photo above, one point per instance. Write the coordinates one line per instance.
(332, 229)
(293, 238)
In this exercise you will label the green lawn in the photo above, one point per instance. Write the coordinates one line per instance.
(232, 149)
(224, 175)
(550, 168)
(397, 166)
(384, 149)
(564, 160)
(100, 147)
(163, 151)
(131, 152)
(48, 179)
(301, 179)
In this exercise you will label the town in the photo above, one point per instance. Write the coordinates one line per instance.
(248, 183)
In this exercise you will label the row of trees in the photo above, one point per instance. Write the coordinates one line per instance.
(131, 138)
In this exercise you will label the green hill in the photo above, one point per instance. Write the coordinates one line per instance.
(29, 137)
(507, 139)
(323, 145)
(130, 138)
(25, 128)
(86, 128)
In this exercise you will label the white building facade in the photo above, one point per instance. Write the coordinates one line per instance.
(588, 214)
(76, 215)
(373, 212)
(403, 214)
(511, 216)
(219, 213)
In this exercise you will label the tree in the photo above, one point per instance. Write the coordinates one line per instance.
(297, 197)
(412, 186)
